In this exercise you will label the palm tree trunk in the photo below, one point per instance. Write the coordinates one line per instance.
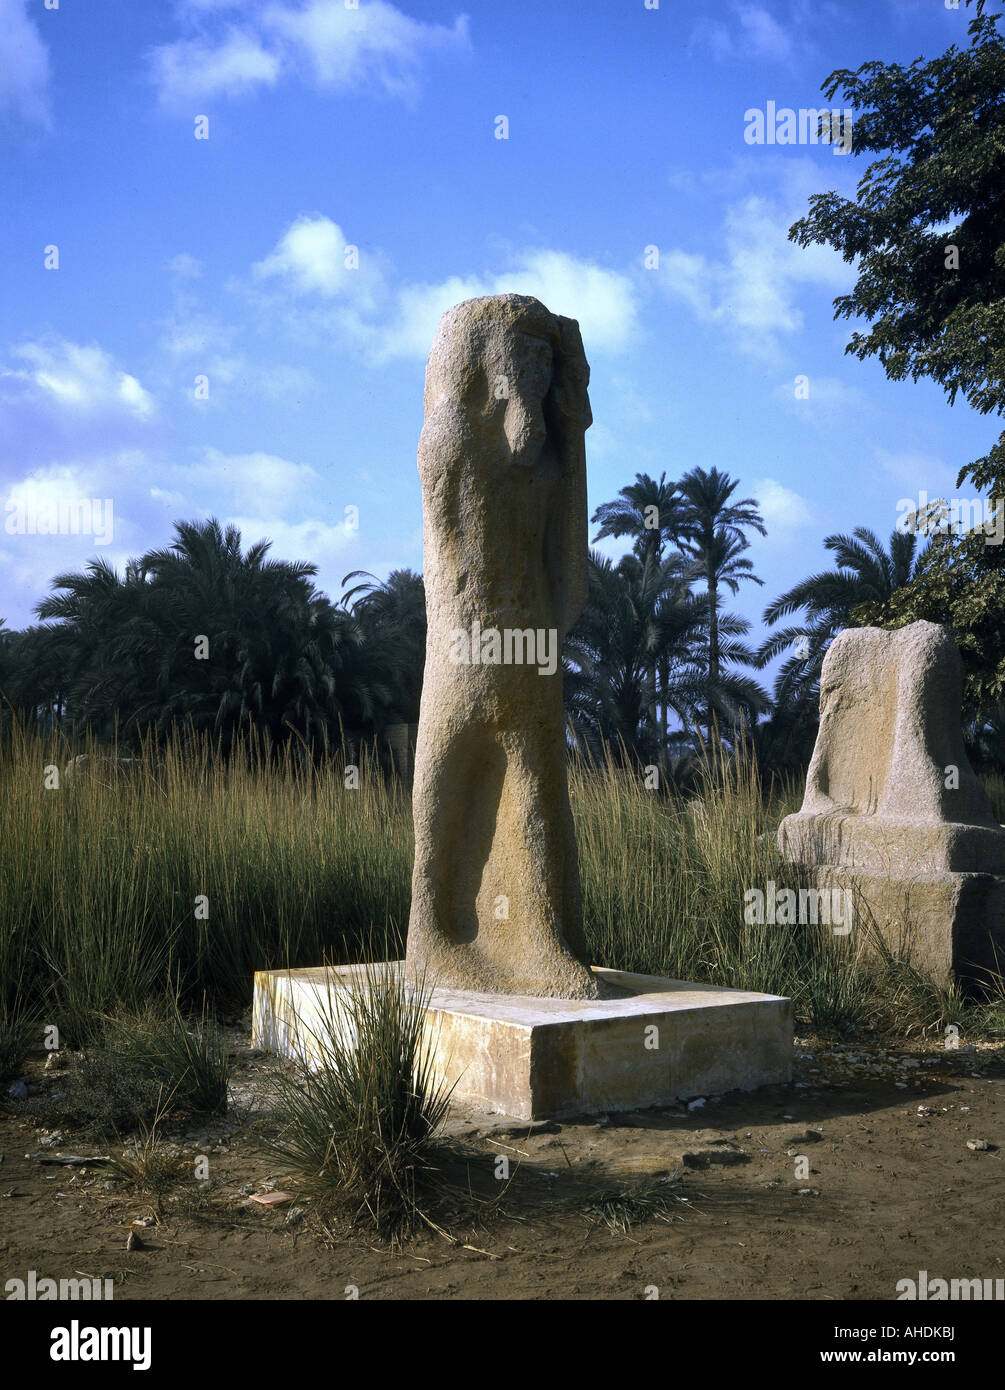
(713, 644)
(651, 702)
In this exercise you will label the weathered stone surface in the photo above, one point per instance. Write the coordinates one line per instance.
(889, 784)
(949, 925)
(496, 902)
(892, 808)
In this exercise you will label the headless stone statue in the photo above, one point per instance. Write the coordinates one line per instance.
(893, 814)
(496, 902)
(889, 785)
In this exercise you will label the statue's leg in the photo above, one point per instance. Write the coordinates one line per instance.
(545, 922)
(457, 785)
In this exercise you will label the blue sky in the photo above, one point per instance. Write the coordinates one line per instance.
(375, 127)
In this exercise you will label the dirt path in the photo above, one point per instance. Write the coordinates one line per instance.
(892, 1189)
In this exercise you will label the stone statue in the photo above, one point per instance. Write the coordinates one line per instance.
(496, 902)
(893, 813)
(889, 784)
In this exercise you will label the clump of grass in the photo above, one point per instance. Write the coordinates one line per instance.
(146, 1064)
(988, 1020)
(358, 1121)
(102, 875)
(621, 1208)
(665, 882)
(832, 990)
(150, 1167)
(909, 1001)
(188, 1058)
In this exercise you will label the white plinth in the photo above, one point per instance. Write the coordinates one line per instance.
(661, 1042)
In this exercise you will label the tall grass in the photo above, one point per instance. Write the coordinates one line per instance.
(187, 870)
(187, 866)
(664, 883)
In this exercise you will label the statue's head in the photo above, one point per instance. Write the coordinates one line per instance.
(510, 363)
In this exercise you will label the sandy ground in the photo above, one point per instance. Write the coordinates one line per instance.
(891, 1189)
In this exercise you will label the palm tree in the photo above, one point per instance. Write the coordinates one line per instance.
(610, 655)
(33, 675)
(648, 511)
(279, 657)
(713, 534)
(641, 616)
(88, 632)
(9, 696)
(392, 617)
(651, 513)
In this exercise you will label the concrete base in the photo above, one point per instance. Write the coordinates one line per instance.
(657, 1042)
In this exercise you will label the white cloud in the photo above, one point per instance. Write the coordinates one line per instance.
(321, 42)
(780, 506)
(267, 480)
(419, 311)
(374, 44)
(194, 334)
(48, 488)
(762, 34)
(712, 36)
(75, 428)
(195, 70)
(690, 276)
(752, 288)
(274, 381)
(915, 471)
(81, 380)
(604, 301)
(312, 540)
(167, 498)
(778, 33)
(64, 496)
(184, 267)
(199, 344)
(309, 263)
(310, 257)
(389, 320)
(24, 64)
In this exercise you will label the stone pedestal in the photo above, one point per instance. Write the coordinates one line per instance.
(949, 925)
(656, 1042)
